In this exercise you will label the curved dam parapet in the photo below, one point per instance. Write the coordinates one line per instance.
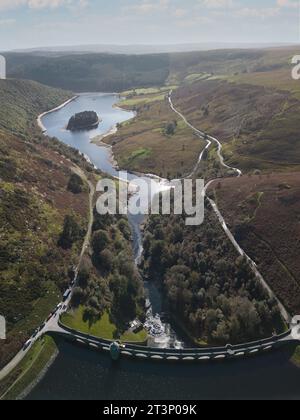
(186, 355)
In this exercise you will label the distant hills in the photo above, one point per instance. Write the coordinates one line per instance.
(144, 49)
(91, 72)
(106, 72)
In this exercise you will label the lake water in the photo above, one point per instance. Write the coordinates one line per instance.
(104, 104)
(78, 373)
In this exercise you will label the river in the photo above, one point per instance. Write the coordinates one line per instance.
(78, 373)
(162, 334)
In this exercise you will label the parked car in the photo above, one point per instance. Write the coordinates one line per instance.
(26, 345)
(35, 333)
(67, 294)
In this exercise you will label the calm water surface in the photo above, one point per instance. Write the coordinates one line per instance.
(103, 104)
(79, 373)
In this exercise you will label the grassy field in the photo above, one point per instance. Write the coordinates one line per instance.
(278, 79)
(139, 100)
(103, 328)
(28, 370)
(185, 67)
(143, 145)
(148, 91)
(246, 98)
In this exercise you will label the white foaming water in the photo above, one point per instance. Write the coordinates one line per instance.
(101, 157)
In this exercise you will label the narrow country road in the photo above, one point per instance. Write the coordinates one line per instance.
(51, 324)
(88, 235)
(20, 356)
(209, 139)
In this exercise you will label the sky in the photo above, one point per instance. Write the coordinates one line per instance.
(41, 23)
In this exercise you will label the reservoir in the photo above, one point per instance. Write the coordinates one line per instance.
(100, 156)
(79, 373)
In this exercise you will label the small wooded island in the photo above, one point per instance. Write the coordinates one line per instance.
(83, 121)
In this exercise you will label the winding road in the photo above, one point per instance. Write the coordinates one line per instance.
(51, 323)
(210, 140)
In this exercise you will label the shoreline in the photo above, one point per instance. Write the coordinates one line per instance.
(114, 162)
(98, 141)
(39, 118)
(113, 130)
(24, 394)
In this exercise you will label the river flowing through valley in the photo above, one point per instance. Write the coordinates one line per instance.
(79, 373)
(161, 332)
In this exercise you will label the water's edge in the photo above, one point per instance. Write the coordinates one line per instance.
(163, 335)
(254, 378)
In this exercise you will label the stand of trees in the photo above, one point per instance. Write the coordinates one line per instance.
(75, 185)
(109, 280)
(91, 72)
(83, 120)
(72, 232)
(209, 289)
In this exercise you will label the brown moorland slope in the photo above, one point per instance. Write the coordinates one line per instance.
(259, 125)
(264, 213)
(35, 202)
(247, 99)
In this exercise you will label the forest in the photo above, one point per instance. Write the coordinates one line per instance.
(210, 291)
(91, 72)
(108, 279)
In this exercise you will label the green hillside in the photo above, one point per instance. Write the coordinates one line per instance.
(118, 72)
(44, 212)
(21, 102)
(91, 72)
(34, 201)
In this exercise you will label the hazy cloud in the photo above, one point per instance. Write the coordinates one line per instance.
(218, 4)
(261, 13)
(146, 21)
(5, 22)
(39, 4)
(148, 6)
(288, 3)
